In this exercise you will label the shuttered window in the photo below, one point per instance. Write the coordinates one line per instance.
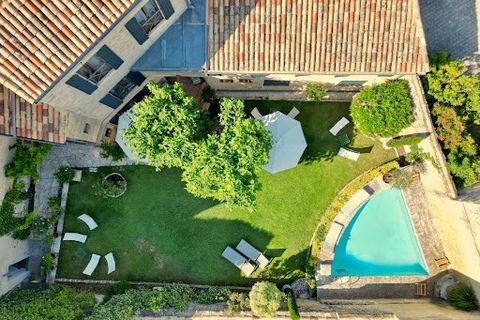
(110, 57)
(81, 84)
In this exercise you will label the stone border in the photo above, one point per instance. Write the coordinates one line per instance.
(119, 175)
(55, 248)
(342, 219)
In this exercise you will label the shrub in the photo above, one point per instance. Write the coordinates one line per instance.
(178, 295)
(417, 158)
(211, 295)
(383, 110)
(402, 179)
(412, 140)
(466, 169)
(8, 222)
(47, 261)
(26, 160)
(209, 94)
(120, 287)
(316, 92)
(462, 297)
(265, 299)
(111, 150)
(237, 302)
(64, 174)
(292, 307)
(111, 186)
(58, 302)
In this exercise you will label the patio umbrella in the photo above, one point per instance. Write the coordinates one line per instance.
(288, 142)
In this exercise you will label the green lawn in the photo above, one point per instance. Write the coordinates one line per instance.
(158, 232)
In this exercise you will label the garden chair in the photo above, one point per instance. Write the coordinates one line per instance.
(72, 236)
(110, 262)
(256, 114)
(238, 260)
(252, 253)
(339, 126)
(92, 265)
(293, 113)
(88, 221)
(343, 139)
(348, 154)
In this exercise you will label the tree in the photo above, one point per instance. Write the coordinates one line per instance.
(265, 299)
(316, 92)
(26, 160)
(449, 84)
(465, 168)
(64, 174)
(165, 127)
(384, 109)
(225, 166)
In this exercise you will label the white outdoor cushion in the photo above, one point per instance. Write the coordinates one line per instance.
(348, 154)
(339, 126)
(110, 262)
(256, 114)
(88, 221)
(293, 113)
(92, 265)
(238, 260)
(72, 236)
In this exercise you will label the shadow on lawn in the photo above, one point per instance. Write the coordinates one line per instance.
(285, 268)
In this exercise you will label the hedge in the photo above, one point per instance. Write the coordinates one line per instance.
(404, 141)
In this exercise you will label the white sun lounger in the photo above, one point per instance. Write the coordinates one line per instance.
(256, 114)
(238, 260)
(71, 236)
(110, 262)
(339, 126)
(92, 265)
(348, 154)
(88, 221)
(252, 253)
(293, 113)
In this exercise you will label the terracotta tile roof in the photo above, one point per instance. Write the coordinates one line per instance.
(30, 121)
(325, 36)
(42, 38)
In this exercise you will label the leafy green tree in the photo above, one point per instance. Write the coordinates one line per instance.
(265, 299)
(59, 302)
(449, 84)
(465, 168)
(26, 160)
(225, 166)
(316, 92)
(165, 127)
(383, 109)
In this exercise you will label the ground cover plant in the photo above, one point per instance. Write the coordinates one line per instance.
(160, 232)
(265, 299)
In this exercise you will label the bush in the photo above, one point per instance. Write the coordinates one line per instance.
(462, 297)
(58, 302)
(120, 287)
(111, 186)
(211, 295)
(265, 299)
(412, 140)
(111, 150)
(8, 222)
(64, 174)
(316, 92)
(417, 157)
(383, 110)
(466, 169)
(292, 307)
(402, 179)
(209, 94)
(47, 261)
(237, 302)
(26, 160)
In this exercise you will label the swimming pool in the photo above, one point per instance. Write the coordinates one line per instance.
(379, 240)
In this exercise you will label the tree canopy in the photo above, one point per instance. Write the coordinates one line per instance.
(165, 126)
(225, 166)
(265, 299)
(384, 109)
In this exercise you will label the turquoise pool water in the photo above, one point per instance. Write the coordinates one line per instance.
(379, 240)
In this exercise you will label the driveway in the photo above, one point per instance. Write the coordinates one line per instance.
(453, 26)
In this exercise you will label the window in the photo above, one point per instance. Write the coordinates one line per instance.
(245, 80)
(276, 83)
(123, 88)
(226, 80)
(95, 69)
(149, 16)
(351, 83)
(86, 128)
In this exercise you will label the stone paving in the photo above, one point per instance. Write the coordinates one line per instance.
(453, 26)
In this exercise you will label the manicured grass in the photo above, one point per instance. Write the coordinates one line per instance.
(159, 232)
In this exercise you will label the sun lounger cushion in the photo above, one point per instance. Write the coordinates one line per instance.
(92, 265)
(252, 253)
(110, 262)
(256, 114)
(293, 113)
(238, 260)
(71, 236)
(88, 221)
(348, 154)
(339, 126)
